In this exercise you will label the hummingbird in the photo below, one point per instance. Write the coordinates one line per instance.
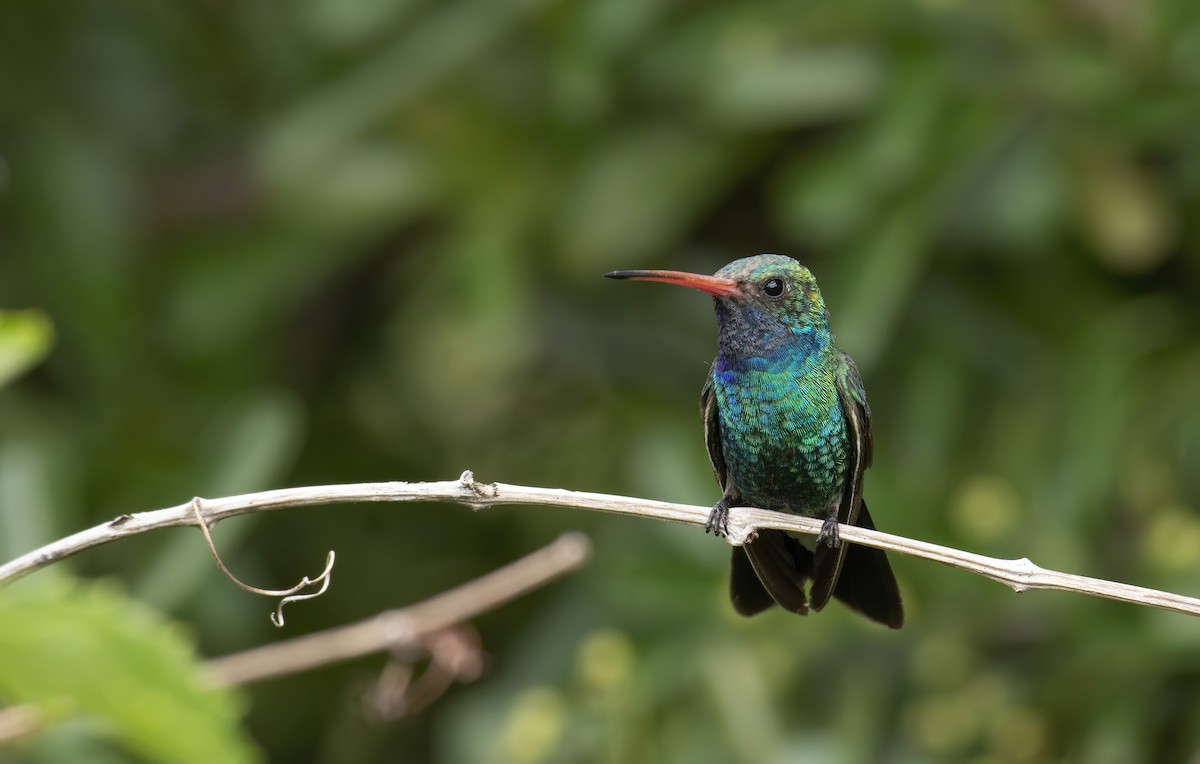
(787, 428)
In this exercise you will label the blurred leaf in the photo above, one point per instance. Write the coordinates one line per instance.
(888, 264)
(984, 508)
(27, 516)
(345, 23)
(369, 183)
(534, 727)
(294, 150)
(225, 287)
(1011, 197)
(757, 85)
(1124, 212)
(1173, 539)
(90, 650)
(26, 337)
(639, 190)
(839, 193)
(736, 686)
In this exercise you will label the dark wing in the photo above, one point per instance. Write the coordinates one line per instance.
(771, 568)
(712, 433)
(829, 560)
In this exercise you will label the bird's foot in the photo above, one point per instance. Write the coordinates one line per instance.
(718, 519)
(829, 533)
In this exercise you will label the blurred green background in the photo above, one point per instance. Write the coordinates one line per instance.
(284, 243)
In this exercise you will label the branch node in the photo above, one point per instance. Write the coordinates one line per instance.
(1023, 573)
(477, 489)
(119, 520)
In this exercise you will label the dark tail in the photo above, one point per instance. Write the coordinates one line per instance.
(867, 583)
(774, 567)
(770, 569)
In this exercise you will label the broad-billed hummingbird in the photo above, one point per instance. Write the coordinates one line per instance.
(788, 428)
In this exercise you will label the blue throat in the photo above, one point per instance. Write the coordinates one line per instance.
(803, 349)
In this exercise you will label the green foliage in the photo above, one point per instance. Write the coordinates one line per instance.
(72, 650)
(317, 241)
(25, 338)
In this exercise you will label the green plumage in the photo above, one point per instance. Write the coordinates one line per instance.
(788, 451)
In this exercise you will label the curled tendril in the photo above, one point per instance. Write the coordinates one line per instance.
(289, 595)
(323, 579)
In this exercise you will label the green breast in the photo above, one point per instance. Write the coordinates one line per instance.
(783, 435)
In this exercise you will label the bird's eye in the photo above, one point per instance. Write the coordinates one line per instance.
(773, 287)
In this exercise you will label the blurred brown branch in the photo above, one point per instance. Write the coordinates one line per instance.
(1019, 575)
(419, 625)
(18, 722)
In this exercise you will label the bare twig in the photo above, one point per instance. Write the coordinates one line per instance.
(406, 626)
(1017, 574)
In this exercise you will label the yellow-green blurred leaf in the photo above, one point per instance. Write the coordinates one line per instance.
(1126, 216)
(26, 336)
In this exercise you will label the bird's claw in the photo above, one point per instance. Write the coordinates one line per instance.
(829, 533)
(718, 519)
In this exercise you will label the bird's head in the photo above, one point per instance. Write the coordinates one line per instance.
(764, 303)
